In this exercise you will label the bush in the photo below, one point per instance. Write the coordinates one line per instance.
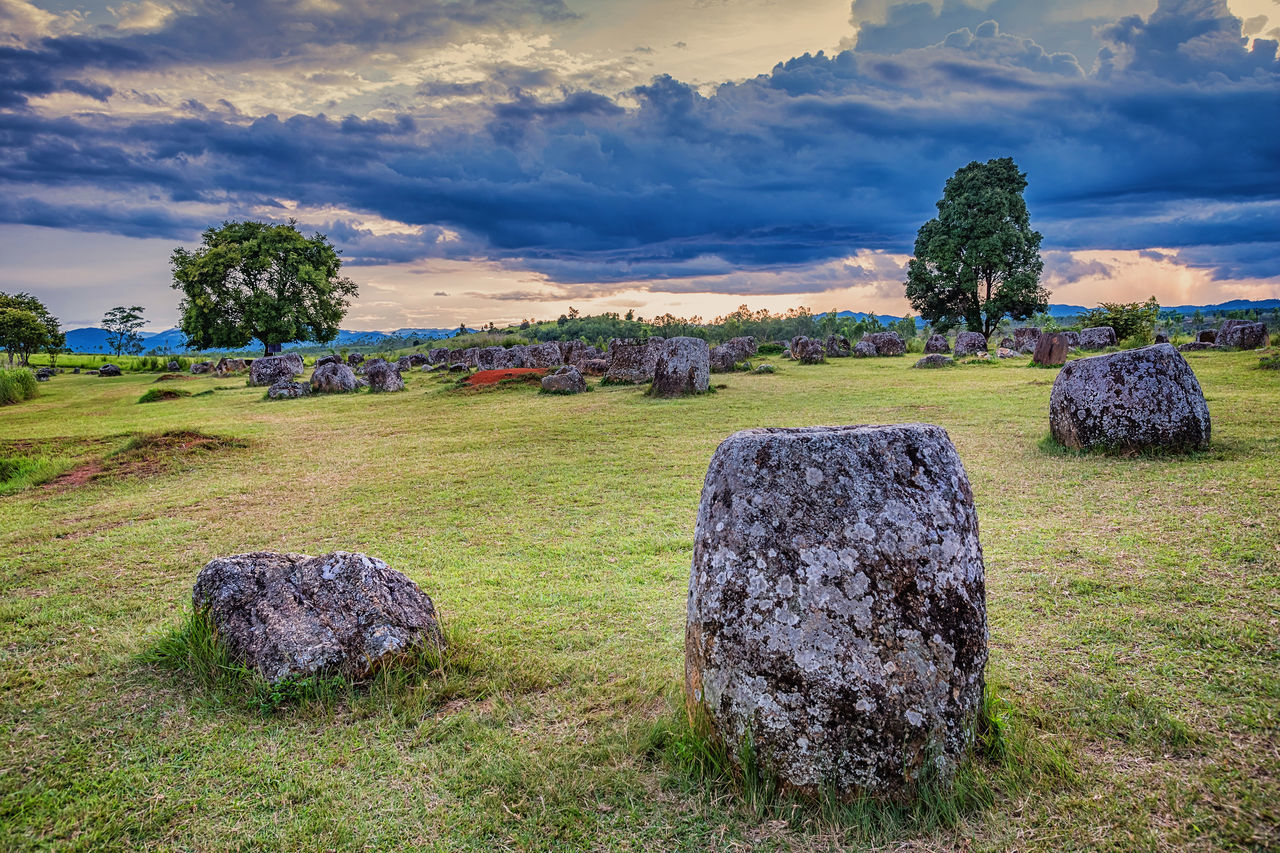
(769, 349)
(1134, 322)
(915, 345)
(17, 385)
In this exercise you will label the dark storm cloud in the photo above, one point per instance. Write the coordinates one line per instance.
(823, 156)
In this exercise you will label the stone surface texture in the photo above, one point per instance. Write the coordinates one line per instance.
(864, 349)
(227, 366)
(202, 367)
(543, 355)
(290, 615)
(1207, 336)
(383, 376)
(838, 346)
(275, 368)
(1024, 339)
(683, 368)
(109, 370)
(837, 612)
(1051, 350)
(807, 350)
(886, 343)
(1237, 334)
(937, 344)
(333, 377)
(1141, 399)
(935, 359)
(1099, 337)
(721, 359)
(970, 343)
(632, 362)
(566, 380)
(287, 389)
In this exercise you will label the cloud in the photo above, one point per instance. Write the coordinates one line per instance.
(824, 158)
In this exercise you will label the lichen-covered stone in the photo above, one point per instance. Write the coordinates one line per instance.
(1196, 346)
(202, 367)
(383, 376)
(109, 370)
(837, 614)
(721, 359)
(1207, 336)
(287, 389)
(937, 344)
(838, 346)
(289, 615)
(1073, 339)
(683, 368)
(970, 343)
(1237, 334)
(228, 366)
(543, 355)
(864, 349)
(632, 362)
(275, 368)
(1051, 350)
(1005, 352)
(439, 355)
(886, 343)
(1140, 399)
(354, 359)
(742, 347)
(1098, 337)
(1024, 339)
(935, 359)
(1007, 342)
(333, 377)
(594, 367)
(566, 380)
(807, 350)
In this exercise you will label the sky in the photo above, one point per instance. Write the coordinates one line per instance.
(494, 160)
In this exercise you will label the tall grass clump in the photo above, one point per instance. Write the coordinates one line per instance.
(411, 685)
(1006, 758)
(17, 385)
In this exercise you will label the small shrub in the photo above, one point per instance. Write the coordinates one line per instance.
(915, 345)
(17, 385)
(155, 395)
(1269, 362)
(769, 349)
(765, 368)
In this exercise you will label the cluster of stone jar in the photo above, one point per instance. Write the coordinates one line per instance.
(836, 615)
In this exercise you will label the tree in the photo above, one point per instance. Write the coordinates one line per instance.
(26, 326)
(122, 325)
(1130, 320)
(258, 281)
(978, 260)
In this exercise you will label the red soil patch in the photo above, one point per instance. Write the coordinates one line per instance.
(170, 377)
(485, 378)
(145, 455)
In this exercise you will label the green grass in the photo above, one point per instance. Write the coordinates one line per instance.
(155, 395)
(1133, 607)
(17, 385)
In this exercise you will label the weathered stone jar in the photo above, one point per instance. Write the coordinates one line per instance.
(837, 612)
(1142, 399)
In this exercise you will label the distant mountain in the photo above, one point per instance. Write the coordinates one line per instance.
(87, 340)
(1233, 305)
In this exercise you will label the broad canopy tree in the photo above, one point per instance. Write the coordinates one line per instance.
(978, 260)
(259, 281)
(26, 326)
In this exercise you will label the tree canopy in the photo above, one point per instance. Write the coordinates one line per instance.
(26, 326)
(978, 260)
(122, 325)
(259, 281)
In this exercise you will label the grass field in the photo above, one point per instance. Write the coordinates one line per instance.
(1134, 616)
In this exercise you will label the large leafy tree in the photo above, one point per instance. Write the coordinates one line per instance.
(27, 326)
(258, 281)
(978, 260)
(122, 325)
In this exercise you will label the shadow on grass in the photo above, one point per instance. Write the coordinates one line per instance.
(1007, 759)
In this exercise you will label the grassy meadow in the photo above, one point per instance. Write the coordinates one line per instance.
(1134, 608)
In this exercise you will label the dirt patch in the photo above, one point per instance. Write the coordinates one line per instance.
(174, 377)
(147, 455)
(504, 378)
